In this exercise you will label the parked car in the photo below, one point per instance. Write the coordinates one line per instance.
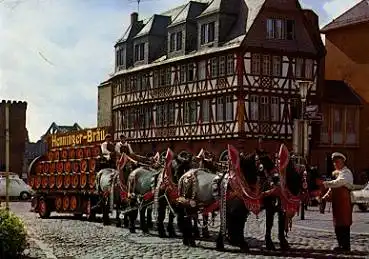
(17, 188)
(361, 198)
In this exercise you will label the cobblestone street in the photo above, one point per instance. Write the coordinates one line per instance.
(63, 237)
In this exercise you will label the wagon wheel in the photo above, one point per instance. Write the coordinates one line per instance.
(59, 181)
(72, 153)
(65, 203)
(83, 179)
(58, 203)
(52, 180)
(66, 180)
(43, 208)
(44, 181)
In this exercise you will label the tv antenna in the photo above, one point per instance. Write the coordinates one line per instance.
(138, 3)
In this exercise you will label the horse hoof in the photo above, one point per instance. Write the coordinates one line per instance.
(133, 231)
(172, 234)
(162, 235)
(284, 245)
(118, 225)
(196, 234)
(192, 243)
(205, 234)
(219, 245)
(270, 246)
(245, 248)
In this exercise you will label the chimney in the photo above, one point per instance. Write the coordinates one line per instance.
(134, 18)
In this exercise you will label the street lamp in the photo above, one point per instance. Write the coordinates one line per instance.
(303, 134)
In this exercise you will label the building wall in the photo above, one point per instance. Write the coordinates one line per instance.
(104, 106)
(347, 59)
(18, 134)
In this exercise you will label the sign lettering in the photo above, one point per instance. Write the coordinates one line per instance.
(77, 138)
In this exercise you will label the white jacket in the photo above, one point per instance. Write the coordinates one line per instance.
(344, 179)
(104, 150)
(120, 144)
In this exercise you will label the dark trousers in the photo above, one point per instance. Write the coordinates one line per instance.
(343, 237)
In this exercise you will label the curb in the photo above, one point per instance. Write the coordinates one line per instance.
(326, 231)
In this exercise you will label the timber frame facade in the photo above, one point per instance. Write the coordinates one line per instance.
(228, 75)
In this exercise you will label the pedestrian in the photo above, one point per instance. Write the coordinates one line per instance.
(340, 193)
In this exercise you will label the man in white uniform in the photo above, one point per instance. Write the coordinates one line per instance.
(123, 146)
(107, 149)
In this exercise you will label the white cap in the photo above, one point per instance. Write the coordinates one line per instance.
(338, 154)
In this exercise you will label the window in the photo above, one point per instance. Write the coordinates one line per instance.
(207, 33)
(172, 42)
(230, 65)
(222, 68)
(266, 65)
(229, 108)
(205, 110)
(337, 126)
(190, 112)
(140, 52)
(147, 116)
(120, 57)
(351, 126)
(299, 67)
(171, 113)
(156, 79)
(202, 70)
(324, 131)
(179, 41)
(182, 74)
(309, 68)
(275, 109)
(220, 109)
(162, 78)
(264, 108)
(277, 66)
(255, 64)
(141, 117)
(254, 107)
(214, 67)
(168, 74)
(280, 29)
(190, 72)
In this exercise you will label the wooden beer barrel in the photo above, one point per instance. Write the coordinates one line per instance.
(75, 180)
(59, 167)
(73, 203)
(67, 167)
(58, 203)
(79, 153)
(92, 164)
(44, 181)
(31, 181)
(46, 168)
(56, 155)
(87, 152)
(59, 181)
(83, 179)
(75, 167)
(91, 180)
(50, 156)
(38, 181)
(52, 167)
(96, 151)
(52, 180)
(84, 166)
(66, 180)
(65, 203)
(64, 154)
(72, 153)
(39, 168)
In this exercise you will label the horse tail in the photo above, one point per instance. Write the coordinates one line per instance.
(156, 193)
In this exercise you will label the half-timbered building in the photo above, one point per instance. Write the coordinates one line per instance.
(204, 75)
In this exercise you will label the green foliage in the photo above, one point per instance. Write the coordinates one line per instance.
(13, 235)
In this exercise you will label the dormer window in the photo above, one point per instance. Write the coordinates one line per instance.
(207, 33)
(140, 52)
(119, 57)
(280, 29)
(175, 41)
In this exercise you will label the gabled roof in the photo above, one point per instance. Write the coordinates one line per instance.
(357, 14)
(131, 31)
(190, 11)
(337, 91)
(254, 7)
(221, 6)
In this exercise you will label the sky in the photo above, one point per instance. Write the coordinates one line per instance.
(54, 53)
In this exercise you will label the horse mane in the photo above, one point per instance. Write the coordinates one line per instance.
(293, 178)
(248, 167)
